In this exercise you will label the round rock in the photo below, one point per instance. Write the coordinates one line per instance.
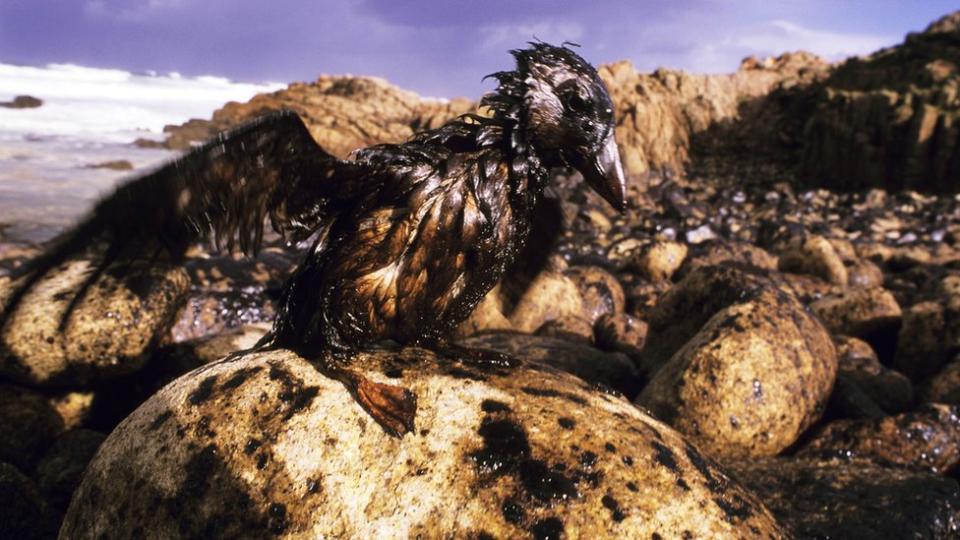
(263, 444)
(51, 339)
(750, 381)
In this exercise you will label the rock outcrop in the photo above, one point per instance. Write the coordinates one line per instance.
(891, 119)
(343, 113)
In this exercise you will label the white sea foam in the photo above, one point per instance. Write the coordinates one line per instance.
(111, 105)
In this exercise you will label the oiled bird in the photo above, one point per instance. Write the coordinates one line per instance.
(405, 239)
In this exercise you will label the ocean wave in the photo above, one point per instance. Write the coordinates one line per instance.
(111, 105)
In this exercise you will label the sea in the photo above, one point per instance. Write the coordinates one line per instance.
(89, 116)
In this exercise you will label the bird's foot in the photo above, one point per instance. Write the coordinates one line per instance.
(393, 407)
(484, 358)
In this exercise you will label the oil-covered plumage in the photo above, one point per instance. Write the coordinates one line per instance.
(406, 238)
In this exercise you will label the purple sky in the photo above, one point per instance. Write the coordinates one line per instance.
(440, 48)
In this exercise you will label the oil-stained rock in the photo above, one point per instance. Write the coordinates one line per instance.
(602, 369)
(853, 498)
(814, 255)
(488, 315)
(755, 377)
(687, 306)
(870, 314)
(600, 290)
(230, 291)
(642, 297)
(52, 340)
(659, 260)
(621, 332)
(73, 407)
(864, 274)
(264, 445)
(927, 437)
(550, 296)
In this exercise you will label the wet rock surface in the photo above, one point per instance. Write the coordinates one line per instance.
(844, 498)
(927, 438)
(526, 453)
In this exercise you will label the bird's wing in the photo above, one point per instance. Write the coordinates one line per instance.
(223, 190)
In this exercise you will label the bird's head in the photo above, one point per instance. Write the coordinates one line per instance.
(568, 116)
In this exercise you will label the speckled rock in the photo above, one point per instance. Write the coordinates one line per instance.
(28, 424)
(600, 290)
(59, 472)
(750, 381)
(925, 341)
(551, 295)
(870, 314)
(816, 256)
(659, 261)
(844, 498)
(23, 514)
(928, 437)
(106, 334)
(621, 332)
(265, 445)
(864, 274)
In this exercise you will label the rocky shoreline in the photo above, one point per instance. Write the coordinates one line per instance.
(764, 345)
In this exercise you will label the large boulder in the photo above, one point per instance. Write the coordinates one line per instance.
(265, 445)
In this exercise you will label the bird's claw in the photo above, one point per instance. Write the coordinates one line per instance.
(393, 407)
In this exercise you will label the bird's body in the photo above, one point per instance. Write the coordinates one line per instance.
(441, 218)
(405, 239)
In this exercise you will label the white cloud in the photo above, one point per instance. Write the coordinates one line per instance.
(774, 37)
(785, 35)
(514, 35)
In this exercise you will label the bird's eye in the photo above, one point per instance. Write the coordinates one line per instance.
(575, 102)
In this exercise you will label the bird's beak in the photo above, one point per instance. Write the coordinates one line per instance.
(604, 173)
